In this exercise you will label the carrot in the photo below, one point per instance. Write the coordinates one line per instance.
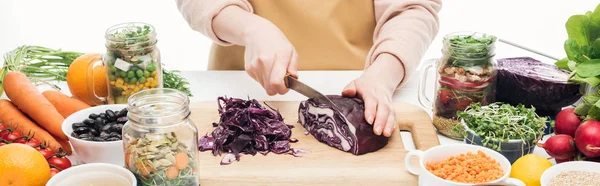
(27, 98)
(467, 168)
(64, 104)
(12, 116)
(66, 146)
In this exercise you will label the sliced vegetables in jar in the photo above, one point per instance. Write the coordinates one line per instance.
(467, 75)
(132, 60)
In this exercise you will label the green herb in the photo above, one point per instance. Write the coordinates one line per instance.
(499, 122)
(172, 79)
(40, 64)
(583, 48)
(470, 50)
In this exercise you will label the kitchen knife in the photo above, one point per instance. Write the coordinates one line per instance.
(308, 91)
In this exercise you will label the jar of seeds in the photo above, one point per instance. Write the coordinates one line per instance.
(160, 141)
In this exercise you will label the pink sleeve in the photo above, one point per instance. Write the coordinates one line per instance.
(405, 29)
(200, 14)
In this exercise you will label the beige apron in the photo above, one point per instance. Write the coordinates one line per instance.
(327, 34)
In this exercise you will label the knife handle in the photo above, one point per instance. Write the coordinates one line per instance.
(285, 79)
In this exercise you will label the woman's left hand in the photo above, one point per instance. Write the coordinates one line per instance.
(376, 87)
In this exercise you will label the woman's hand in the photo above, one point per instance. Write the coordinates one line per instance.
(376, 87)
(269, 55)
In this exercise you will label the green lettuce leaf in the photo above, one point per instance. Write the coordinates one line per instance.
(589, 68)
(578, 28)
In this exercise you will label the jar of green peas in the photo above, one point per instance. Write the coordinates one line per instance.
(132, 60)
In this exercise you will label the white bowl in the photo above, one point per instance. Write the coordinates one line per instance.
(97, 174)
(439, 153)
(566, 167)
(92, 151)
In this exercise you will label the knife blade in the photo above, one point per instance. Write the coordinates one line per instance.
(308, 91)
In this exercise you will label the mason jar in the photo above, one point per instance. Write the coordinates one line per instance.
(465, 74)
(132, 60)
(159, 139)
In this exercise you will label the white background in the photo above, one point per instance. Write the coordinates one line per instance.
(79, 25)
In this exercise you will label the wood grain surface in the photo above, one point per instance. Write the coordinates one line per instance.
(325, 165)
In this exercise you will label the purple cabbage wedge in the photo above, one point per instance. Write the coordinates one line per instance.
(530, 82)
(246, 127)
(347, 131)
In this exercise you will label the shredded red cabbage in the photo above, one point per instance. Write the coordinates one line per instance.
(246, 127)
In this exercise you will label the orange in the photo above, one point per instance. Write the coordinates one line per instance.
(22, 165)
(77, 79)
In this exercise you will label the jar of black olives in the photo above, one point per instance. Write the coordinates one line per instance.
(160, 141)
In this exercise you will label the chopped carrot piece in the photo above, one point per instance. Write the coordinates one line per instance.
(467, 168)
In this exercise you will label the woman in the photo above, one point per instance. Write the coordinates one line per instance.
(269, 38)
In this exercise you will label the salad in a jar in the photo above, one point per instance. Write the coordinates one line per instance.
(467, 75)
(132, 60)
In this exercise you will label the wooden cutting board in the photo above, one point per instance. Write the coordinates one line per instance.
(325, 165)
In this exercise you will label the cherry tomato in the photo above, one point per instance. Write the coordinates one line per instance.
(31, 142)
(462, 104)
(53, 171)
(11, 135)
(2, 127)
(444, 96)
(60, 162)
(2, 144)
(46, 152)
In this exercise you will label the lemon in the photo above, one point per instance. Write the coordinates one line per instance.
(529, 169)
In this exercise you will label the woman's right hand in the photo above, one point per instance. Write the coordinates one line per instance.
(269, 56)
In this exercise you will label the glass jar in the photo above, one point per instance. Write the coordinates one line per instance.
(132, 60)
(160, 141)
(466, 74)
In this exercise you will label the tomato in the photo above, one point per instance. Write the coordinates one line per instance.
(462, 103)
(53, 171)
(46, 152)
(2, 127)
(59, 162)
(10, 135)
(444, 96)
(2, 144)
(31, 142)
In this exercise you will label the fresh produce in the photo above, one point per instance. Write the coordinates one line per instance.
(27, 98)
(59, 161)
(246, 127)
(12, 116)
(529, 169)
(587, 138)
(524, 80)
(23, 165)
(566, 122)
(107, 126)
(466, 75)
(470, 168)
(500, 122)
(575, 178)
(160, 159)
(347, 131)
(583, 48)
(64, 104)
(78, 79)
(41, 64)
(560, 146)
(172, 79)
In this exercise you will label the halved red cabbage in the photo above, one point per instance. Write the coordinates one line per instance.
(347, 131)
(246, 127)
(533, 83)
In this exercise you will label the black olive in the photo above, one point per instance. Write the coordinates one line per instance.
(117, 128)
(122, 120)
(77, 125)
(81, 130)
(86, 135)
(113, 139)
(111, 115)
(93, 116)
(87, 139)
(107, 127)
(98, 123)
(89, 122)
(94, 132)
(98, 139)
(122, 113)
(74, 135)
(103, 116)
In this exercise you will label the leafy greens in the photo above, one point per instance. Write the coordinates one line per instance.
(583, 48)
